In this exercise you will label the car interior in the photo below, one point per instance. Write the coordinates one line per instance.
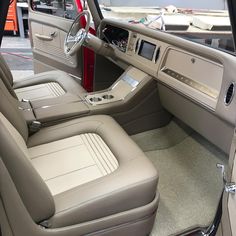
(136, 156)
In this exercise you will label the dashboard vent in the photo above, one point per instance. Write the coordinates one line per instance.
(229, 94)
(157, 54)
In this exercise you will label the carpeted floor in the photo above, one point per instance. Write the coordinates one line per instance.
(189, 182)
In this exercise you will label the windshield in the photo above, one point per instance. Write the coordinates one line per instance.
(205, 22)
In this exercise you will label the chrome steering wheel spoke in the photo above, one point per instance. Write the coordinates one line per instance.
(72, 42)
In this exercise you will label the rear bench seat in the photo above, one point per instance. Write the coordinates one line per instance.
(75, 178)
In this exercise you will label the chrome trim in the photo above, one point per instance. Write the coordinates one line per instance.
(80, 36)
(230, 188)
(25, 109)
(101, 100)
(129, 80)
(193, 84)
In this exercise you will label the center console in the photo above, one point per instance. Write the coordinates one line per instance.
(120, 90)
(126, 100)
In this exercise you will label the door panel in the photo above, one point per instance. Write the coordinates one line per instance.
(47, 39)
(228, 223)
(52, 46)
(232, 202)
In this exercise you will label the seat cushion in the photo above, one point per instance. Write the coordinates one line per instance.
(47, 85)
(40, 91)
(75, 160)
(127, 182)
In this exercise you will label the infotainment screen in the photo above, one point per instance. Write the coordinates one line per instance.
(146, 50)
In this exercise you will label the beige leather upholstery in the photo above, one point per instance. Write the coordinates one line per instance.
(33, 191)
(53, 96)
(9, 106)
(6, 75)
(40, 91)
(65, 82)
(104, 194)
(79, 159)
(78, 171)
(40, 86)
(86, 171)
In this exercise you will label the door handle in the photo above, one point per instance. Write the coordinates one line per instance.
(44, 37)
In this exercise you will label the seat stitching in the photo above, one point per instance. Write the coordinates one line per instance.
(34, 157)
(70, 172)
(105, 150)
(97, 152)
(94, 158)
(56, 128)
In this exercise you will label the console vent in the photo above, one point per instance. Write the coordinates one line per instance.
(229, 94)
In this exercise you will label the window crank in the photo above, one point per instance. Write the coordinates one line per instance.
(228, 187)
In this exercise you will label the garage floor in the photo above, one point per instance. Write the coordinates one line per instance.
(189, 183)
(18, 55)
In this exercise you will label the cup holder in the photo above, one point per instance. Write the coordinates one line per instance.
(100, 98)
(107, 96)
(95, 99)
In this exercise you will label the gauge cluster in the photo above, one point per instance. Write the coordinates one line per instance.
(116, 36)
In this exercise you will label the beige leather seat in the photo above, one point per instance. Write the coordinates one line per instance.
(84, 176)
(40, 86)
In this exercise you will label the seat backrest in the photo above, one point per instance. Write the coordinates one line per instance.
(30, 186)
(9, 107)
(6, 76)
(14, 153)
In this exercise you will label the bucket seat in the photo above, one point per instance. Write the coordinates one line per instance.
(44, 85)
(81, 177)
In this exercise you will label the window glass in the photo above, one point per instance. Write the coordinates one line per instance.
(61, 8)
(201, 21)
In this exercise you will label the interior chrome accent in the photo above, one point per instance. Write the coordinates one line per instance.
(124, 86)
(73, 42)
(200, 87)
(24, 109)
(229, 94)
(132, 82)
(228, 187)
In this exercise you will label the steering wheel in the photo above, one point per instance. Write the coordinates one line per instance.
(75, 38)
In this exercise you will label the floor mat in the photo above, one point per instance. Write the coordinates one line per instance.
(189, 182)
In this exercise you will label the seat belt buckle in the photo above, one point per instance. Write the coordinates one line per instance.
(35, 126)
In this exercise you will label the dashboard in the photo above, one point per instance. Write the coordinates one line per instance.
(196, 83)
(197, 74)
(116, 36)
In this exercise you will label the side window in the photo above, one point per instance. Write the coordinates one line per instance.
(62, 8)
